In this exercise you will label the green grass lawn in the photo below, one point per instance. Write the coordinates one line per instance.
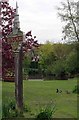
(38, 94)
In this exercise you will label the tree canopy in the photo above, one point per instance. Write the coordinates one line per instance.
(68, 12)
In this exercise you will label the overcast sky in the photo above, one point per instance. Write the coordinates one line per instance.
(41, 17)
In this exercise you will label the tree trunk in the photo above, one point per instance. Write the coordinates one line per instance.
(19, 80)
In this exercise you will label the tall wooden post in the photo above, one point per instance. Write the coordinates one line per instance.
(19, 79)
(78, 56)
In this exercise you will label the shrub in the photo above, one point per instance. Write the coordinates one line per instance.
(76, 89)
(46, 113)
(9, 110)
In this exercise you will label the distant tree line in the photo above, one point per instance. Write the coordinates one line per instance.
(56, 61)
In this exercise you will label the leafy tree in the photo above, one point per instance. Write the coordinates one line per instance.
(69, 14)
(54, 59)
(61, 50)
(71, 63)
(58, 68)
(47, 57)
(7, 16)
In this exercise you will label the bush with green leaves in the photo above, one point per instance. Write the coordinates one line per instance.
(46, 113)
(9, 110)
(76, 89)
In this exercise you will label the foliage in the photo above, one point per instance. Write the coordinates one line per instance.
(46, 113)
(71, 62)
(62, 50)
(47, 57)
(7, 16)
(9, 110)
(58, 69)
(56, 60)
(69, 14)
(26, 64)
(76, 89)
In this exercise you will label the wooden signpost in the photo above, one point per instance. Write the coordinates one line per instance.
(19, 79)
(16, 42)
(14, 39)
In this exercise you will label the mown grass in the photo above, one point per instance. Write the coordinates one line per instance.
(38, 94)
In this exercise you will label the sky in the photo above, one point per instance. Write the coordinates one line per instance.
(41, 17)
